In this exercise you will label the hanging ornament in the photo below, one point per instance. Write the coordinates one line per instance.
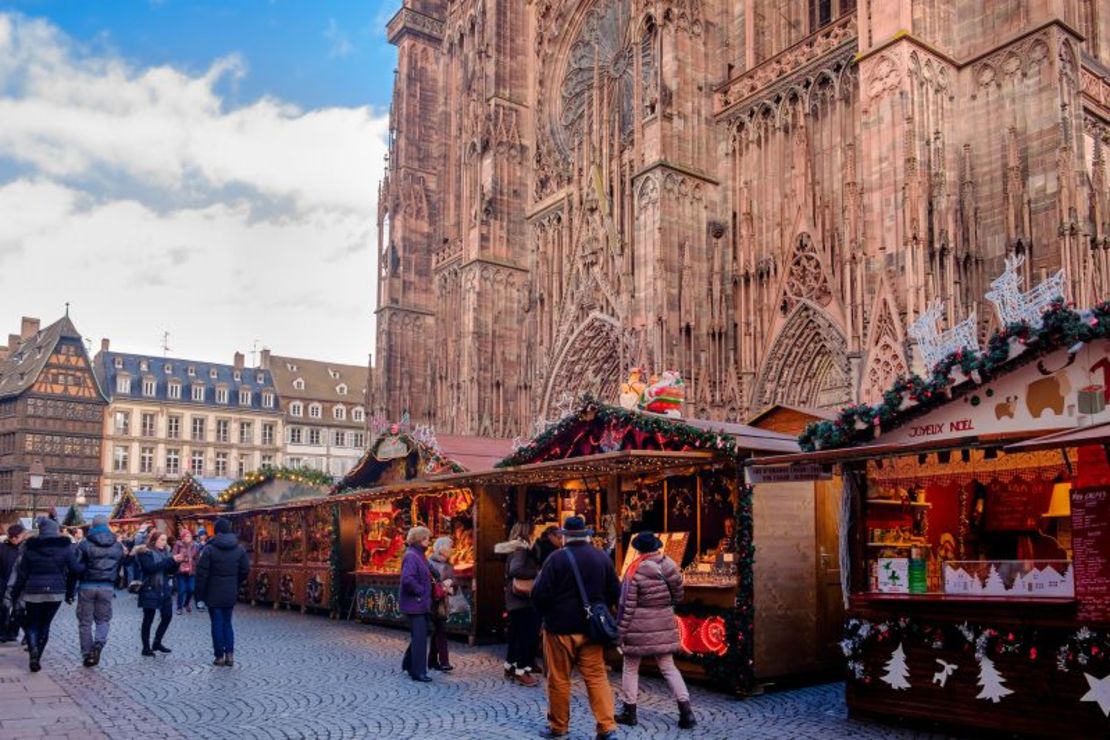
(897, 673)
(1099, 692)
(940, 678)
(991, 681)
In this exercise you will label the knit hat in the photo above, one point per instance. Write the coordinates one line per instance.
(223, 526)
(575, 526)
(47, 527)
(100, 521)
(646, 542)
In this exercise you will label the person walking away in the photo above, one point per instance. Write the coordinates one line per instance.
(42, 581)
(158, 566)
(200, 541)
(9, 556)
(566, 644)
(94, 563)
(521, 569)
(222, 568)
(416, 602)
(647, 627)
(443, 574)
(186, 578)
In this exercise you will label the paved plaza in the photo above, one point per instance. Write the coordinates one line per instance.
(307, 677)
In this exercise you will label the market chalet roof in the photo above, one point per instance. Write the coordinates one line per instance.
(322, 381)
(110, 366)
(24, 364)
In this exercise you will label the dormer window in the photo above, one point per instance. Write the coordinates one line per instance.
(144, 366)
(298, 384)
(357, 414)
(260, 378)
(340, 413)
(221, 395)
(267, 400)
(150, 387)
(192, 371)
(295, 409)
(291, 367)
(173, 390)
(237, 375)
(245, 397)
(212, 373)
(333, 373)
(315, 411)
(168, 368)
(198, 392)
(118, 363)
(341, 389)
(123, 384)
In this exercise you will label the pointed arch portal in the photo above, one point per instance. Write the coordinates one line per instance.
(808, 363)
(593, 360)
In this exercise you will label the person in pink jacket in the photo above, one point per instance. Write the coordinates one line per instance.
(647, 626)
(186, 573)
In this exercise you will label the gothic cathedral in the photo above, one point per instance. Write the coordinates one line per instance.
(760, 194)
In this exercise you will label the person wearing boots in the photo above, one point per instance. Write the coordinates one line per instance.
(9, 556)
(42, 581)
(95, 563)
(222, 567)
(521, 569)
(647, 626)
(156, 593)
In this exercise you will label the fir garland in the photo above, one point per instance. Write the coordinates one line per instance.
(1062, 326)
(267, 473)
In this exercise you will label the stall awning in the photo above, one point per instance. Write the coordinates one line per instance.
(1099, 434)
(892, 449)
(748, 437)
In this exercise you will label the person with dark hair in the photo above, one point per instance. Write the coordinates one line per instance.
(41, 580)
(647, 626)
(9, 556)
(94, 563)
(156, 593)
(222, 567)
(566, 642)
(186, 578)
(521, 568)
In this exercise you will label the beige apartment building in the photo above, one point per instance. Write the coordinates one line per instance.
(170, 416)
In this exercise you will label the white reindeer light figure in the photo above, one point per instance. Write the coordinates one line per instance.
(1013, 305)
(936, 345)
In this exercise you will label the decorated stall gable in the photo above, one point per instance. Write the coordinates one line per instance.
(127, 507)
(191, 492)
(1071, 376)
(268, 486)
(397, 455)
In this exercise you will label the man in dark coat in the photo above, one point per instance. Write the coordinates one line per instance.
(94, 563)
(9, 556)
(41, 580)
(222, 568)
(566, 644)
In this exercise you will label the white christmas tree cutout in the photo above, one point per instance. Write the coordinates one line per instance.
(1099, 692)
(896, 670)
(991, 681)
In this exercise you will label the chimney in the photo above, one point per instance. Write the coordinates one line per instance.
(240, 360)
(264, 359)
(104, 344)
(13, 343)
(3, 351)
(29, 327)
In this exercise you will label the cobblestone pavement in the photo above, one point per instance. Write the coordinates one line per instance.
(306, 677)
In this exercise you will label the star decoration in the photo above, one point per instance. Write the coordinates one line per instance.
(1100, 692)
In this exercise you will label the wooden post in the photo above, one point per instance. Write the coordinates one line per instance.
(613, 504)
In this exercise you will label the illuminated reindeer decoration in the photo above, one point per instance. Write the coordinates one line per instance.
(935, 346)
(1015, 306)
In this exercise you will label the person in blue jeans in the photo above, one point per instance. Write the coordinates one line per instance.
(222, 567)
(186, 578)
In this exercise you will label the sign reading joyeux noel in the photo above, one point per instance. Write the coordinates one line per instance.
(1041, 395)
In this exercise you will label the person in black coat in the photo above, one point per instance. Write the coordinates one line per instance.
(222, 568)
(156, 593)
(95, 562)
(9, 556)
(42, 581)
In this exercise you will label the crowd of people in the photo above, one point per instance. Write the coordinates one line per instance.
(561, 595)
(41, 570)
(558, 587)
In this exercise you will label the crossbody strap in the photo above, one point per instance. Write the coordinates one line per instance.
(578, 580)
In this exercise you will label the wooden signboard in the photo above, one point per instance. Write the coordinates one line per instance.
(1090, 522)
(1017, 506)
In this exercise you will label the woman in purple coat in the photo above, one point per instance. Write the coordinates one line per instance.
(416, 602)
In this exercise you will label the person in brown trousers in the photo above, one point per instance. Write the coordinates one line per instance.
(647, 626)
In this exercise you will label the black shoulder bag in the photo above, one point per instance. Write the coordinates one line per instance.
(600, 626)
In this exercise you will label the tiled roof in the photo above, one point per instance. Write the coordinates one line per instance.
(321, 380)
(111, 365)
(21, 368)
(474, 453)
(153, 500)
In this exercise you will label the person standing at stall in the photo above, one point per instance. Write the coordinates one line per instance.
(443, 575)
(94, 563)
(416, 602)
(647, 626)
(42, 581)
(9, 556)
(521, 569)
(186, 578)
(556, 595)
(156, 593)
(222, 568)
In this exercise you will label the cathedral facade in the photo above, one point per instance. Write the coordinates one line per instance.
(761, 195)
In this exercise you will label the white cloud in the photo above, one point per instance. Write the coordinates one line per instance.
(341, 45)
(150, 203)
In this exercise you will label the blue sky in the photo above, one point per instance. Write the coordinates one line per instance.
(209, 169)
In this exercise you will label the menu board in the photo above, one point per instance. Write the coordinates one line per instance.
(1018, 506)
(1090, 523)
(674, 546)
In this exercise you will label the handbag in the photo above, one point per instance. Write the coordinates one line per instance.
(522, 586)
(600, 627)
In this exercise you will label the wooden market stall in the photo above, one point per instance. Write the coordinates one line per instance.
(976, 521)
(625, 471)
(136, 507)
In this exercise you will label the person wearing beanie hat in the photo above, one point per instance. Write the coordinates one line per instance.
(42, 581)
(186, 572)
(9, 556)
(222, 568)
(646, 626)
(566, 644)
(95, 563)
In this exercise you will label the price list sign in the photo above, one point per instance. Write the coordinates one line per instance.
(1090, 522)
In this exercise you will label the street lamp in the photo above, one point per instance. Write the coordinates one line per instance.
(35, 478)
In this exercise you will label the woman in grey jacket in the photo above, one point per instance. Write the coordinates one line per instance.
(647, 626)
